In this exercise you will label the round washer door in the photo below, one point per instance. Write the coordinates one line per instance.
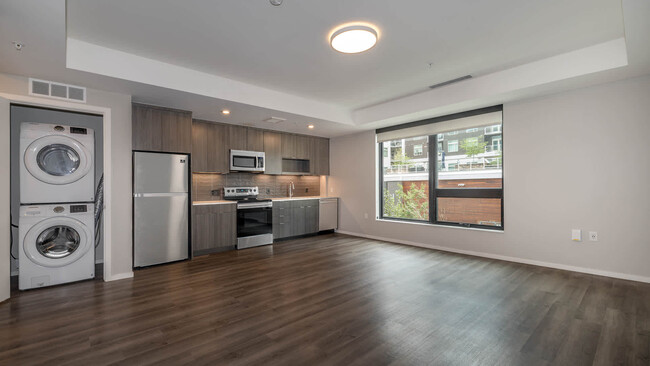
(57, 159)
(57, 242)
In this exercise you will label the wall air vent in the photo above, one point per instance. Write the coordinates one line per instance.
(450, 81)
(275, 120)
(50, 89)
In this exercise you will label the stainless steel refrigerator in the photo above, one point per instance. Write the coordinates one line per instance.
(161, 206)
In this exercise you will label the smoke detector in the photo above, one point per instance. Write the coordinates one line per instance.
(276, 2)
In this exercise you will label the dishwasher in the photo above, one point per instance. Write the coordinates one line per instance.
(328, 213)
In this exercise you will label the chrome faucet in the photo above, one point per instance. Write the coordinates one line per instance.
(291, 189)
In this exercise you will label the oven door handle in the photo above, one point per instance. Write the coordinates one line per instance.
(246, 206)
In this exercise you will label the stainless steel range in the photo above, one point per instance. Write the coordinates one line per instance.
(254, 216)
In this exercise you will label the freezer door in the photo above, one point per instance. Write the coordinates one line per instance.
(160, 173)
(160, 228)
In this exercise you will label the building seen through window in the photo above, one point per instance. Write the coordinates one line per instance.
(468, 159)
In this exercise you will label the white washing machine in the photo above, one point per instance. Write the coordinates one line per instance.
(56, 244)
(58, 163)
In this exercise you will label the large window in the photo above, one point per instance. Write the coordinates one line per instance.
(405, 190)
(455, 183)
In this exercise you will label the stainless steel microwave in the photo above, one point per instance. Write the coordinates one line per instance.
(247, 161)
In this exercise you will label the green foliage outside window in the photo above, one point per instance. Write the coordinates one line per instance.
(413, 204)
(472, 147)
(399, 158)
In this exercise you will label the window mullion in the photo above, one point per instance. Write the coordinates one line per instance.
(433, 163)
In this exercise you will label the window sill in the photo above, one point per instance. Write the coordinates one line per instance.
(499, 231)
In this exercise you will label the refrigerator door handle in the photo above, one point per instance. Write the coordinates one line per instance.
(173, 194)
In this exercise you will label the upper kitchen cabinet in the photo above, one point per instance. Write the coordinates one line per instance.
(254, 139)
(161, 129)
(273, 152)
(303, 149)
(288, 146)
(296, 146)
(209, 149)
(237, 137)
(320, 156)
(245, 138)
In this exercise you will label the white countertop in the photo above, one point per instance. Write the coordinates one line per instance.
(298, 198)
(221, 202)
(215, 202)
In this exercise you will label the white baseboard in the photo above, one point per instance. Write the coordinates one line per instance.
(597, 272)
(119, 276)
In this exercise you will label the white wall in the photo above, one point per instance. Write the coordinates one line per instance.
(578, 159)
(120, 150)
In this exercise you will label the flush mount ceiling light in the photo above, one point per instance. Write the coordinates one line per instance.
(225, 112)
(353, 38)
(311, 127)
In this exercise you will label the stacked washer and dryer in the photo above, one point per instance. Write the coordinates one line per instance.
(56, 223)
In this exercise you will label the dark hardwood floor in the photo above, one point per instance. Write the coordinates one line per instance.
(333, 300)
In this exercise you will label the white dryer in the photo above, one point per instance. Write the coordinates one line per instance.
(56, 244)
(57, 163)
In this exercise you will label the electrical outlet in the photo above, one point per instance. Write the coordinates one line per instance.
(593, 236)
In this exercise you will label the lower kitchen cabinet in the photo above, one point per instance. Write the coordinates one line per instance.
(214, 228)
(311, 216)
(295, 218)
(282, 219)
(298, 215)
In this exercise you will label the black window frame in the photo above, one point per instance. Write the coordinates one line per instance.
(434, 191)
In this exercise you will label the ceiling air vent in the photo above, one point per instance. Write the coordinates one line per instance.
(51, 89)
(450, 81)
(275, 120)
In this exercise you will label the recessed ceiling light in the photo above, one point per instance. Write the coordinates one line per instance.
(225, 112)
(311, 127)
(353, 38)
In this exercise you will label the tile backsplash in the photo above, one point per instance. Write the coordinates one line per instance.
(270, 185)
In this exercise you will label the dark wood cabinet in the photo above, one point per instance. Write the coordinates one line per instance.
(214, 228)
(295, 218)
(282, 219)
(161, 129)
(311, 216)
(237, 137)
(298, 218)
(211, 144)
(289, 146)
(254, 139)
(209, 150)
(303, 147)
(273, 152)
(320, 156)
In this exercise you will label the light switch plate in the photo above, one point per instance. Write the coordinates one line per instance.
(576, 235)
